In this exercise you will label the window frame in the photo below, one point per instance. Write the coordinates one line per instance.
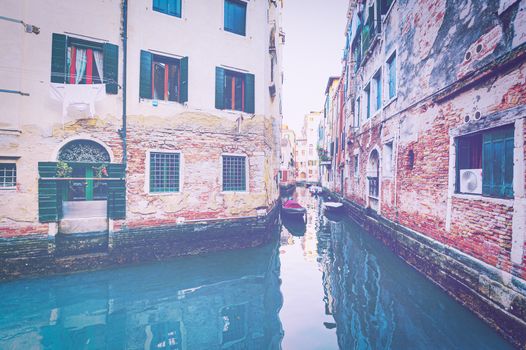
(167, 60)
(388, 171)
(367, 91)
(2, 180)
(73, 42)
(147, 173)
(179, 15)
(247, 185)
(483, 134)
(231, 30)
(388, 68)
(234, 75)
(378, 98)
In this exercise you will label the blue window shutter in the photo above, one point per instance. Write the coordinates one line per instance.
(249, 93)
(392, 77)
(184, 80)
(220, 86)
(497, 163)
(111, 67)
(379, 92)
(58, 58)
(235, 16)
(145, 80)
(49, 200)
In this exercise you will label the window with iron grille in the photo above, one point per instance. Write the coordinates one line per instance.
(7, 175)
(164, 172)
(234, 173)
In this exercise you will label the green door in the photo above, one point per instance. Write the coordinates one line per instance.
(84, 188)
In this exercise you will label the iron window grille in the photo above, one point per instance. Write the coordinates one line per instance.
(164, 172)
(234, 173)
(7, 175)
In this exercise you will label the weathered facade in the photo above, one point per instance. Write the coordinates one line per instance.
(288, 150)
(115, 127)
(433, 143)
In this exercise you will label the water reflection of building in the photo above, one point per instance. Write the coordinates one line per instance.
(222, 301)
(360, 307)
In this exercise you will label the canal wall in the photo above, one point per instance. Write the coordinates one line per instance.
(496, 296)
(41, 254)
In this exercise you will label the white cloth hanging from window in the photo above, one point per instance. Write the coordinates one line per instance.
(81, 96)
(99, 64)
(80, 64)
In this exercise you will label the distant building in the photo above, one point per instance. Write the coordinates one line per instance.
(307, 160)
(288, 146)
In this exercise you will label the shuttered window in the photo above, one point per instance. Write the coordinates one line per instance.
(378, 87)
(78, 61)
(234, 173)
(368, 101)
(497, 163)
(491, 151)
(234, 90)
(169, 7)
(163, 78)
(164, 172)
(235, 16)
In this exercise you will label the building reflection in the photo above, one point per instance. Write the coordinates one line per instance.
(362, 311)
(219, 301)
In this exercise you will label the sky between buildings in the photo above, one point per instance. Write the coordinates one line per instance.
(313, 51)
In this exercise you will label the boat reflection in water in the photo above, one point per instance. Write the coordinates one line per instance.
(217, 301)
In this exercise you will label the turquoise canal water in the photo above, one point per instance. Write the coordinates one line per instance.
(328, 285)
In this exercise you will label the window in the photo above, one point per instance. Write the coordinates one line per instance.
(78, 61)
(234, 173)
(235, 16)
(169, 7)
(410, 159)
(7, 175)
(311, 150)
(163, 78)
(356, 166)
(357, 114)
(164, 172)
(391, 75)
(492, 152)
(368, 101)
(388, 159)
(378, 86)
(234, 90)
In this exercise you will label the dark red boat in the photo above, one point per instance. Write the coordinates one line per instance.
(291, 207)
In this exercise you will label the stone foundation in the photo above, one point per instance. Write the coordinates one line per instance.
(497, 297)
(39, 254)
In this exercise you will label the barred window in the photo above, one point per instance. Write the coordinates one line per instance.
(234, 175)
(7, 175)
(164, 172)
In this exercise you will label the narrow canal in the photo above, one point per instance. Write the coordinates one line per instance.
(326, 285)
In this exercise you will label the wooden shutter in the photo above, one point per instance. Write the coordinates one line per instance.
(497, 163)
(111, 67)
(249, 93)
(48, 196)
(58, 58)
(184, 80)
(117, 191)
(220, 88)
(145, 82)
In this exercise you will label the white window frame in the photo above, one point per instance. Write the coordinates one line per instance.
(377, 73)
(388, 170)
(10, 161)
(392, 54)
(247, 178)
(147, 172)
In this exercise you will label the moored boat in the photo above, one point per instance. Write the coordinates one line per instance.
(333, 207)
(292, 208)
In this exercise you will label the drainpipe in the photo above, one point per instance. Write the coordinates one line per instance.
(124, 73)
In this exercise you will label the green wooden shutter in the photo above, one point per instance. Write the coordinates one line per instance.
(497, 163)
(220, 88)
(111, 67)
(48, 196)
(117, 191)
(58, 58)
(184, 80)
(249, 93)
(145, 83)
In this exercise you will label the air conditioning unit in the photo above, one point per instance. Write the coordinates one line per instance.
(471, 181)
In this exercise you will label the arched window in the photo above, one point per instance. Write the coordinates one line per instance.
(83, 151)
